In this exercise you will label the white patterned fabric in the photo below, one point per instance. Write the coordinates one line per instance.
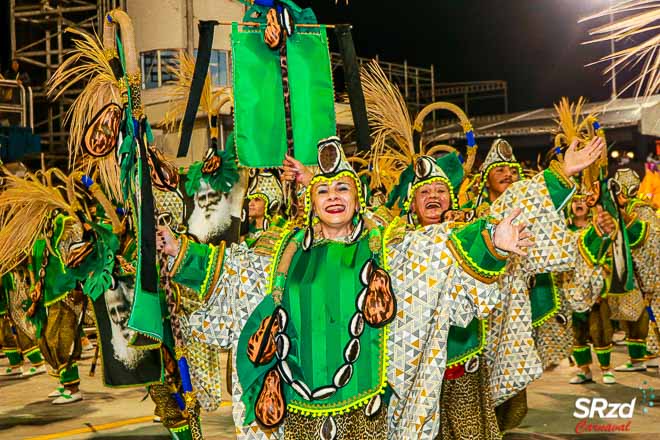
(554, 338)
(645, 258)
(582, 286)
(433, 292)
(510, 351)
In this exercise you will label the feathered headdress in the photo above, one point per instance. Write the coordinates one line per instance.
(397, 141)
(574, 125)
(89, 62)
(27, 204)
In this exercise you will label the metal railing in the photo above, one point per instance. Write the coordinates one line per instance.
(37, 40)
(419, 86)
(23, 107)
(413, 81)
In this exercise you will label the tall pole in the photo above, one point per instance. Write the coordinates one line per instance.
(190, 30)
(12, 27)
(613, 70)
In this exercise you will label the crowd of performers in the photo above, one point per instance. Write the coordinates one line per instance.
(394, 294)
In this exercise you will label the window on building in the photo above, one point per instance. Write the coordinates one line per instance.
(219, 66)
(154, 65)
(149, 67)
(155, 72)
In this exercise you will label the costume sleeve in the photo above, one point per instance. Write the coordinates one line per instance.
(231, 283)
(582, 286)
(198, 266)
(436, 286)
(644, 239)
(541, 200)
(559, 186)
(593, 246)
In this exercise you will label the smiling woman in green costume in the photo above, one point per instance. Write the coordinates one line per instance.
(339, 329)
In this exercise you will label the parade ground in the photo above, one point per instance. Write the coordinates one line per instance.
(105, 413)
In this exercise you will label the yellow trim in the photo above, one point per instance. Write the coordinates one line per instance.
(415, 187)
(555, 308)
(58, 299)
(218, 270)
(183, 249)
(279, 249)
(586, 254)
(29, 351)
(322, 178)
(603, 350)
(94, 428)
(355, 404)
(642, 237)
(477, 276)
(463, 258)
(263, 197)
(637, 342)
(473, 352)
(491, 246)
(484, 174)
(207, 277)
(555, 168)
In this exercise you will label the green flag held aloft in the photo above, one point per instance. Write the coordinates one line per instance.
(259, 122)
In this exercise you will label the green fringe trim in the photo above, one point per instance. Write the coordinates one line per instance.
(582, 355)
(69, 376)
(636, 349)
(472, 352)
(14, 357)
(642, 235)
(489, 274)
(362, 401)
(556, 301)
(415, 187)
(180, 429)
(34, 356)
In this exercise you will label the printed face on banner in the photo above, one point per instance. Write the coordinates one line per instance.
(118, 302)
(123, 365)
(211, 214)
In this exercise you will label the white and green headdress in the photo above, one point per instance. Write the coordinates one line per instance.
(626, 181)
(267, 186)
(500, 153)
(332, 166)
(447, 169)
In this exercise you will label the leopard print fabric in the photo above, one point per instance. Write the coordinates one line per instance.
(166, 407)
(466, 408)
(354, 425)
(511, 413)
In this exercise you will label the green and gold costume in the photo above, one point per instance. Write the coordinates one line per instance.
(439, 275)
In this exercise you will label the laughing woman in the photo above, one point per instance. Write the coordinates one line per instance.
(339, 329)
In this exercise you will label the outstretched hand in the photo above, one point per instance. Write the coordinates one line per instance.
(512, 238)
(166, 242)
(294, 170)
(575, 161)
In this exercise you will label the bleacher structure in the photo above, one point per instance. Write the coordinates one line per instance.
(40, 42)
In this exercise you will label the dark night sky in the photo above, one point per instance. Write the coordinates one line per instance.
(532, 44)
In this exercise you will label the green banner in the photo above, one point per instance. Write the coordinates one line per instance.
(259, 121)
